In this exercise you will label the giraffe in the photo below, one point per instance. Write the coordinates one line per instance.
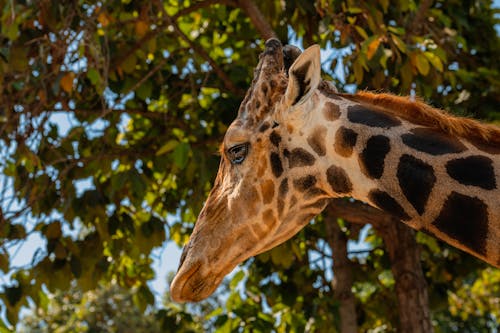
(296, 142)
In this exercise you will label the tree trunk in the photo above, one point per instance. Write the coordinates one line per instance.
(337, 241)
(411, 287)
(399, 239)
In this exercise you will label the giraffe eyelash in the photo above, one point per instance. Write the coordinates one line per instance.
(238, 153)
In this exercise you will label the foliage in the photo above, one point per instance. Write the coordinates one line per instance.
(100, 310)
(105, 309)
(111, 113)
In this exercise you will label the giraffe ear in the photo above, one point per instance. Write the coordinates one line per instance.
(304, 76)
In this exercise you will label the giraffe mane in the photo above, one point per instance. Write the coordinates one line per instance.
(418, 112)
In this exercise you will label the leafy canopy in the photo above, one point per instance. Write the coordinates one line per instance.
(111, 112)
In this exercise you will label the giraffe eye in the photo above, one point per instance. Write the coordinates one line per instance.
(237, 154)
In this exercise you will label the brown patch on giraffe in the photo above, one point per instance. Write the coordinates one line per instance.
(495, 150)
(276, 165)
(432, 142)
(474, 170)
(331, 111)
(290, 128)
(418, 112)
(268, 218)
(317, 140)
(299, 157)
(416, 180)
(260, 230)
(314, 192)
(371, 159)
(281, 207)
(267, 190)
(283, 189)
(250, 198)
(262, 167)
(264, 127)
(275, 138)
(304, 184)
(265, 89)
(338, 180)
(293, 201)
(388, 204)
(345, 140)
(465, 219)
(360, 114)
(319, 204)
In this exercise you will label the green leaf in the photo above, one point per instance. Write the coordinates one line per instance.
(52, 230)
(128, 65)
(237, 279)
(434, 60)
(76, 266)
(372, 47)
(18, 58)
(145, 90)
(167, 147)
(399, 43)
(4, 262)
(422, 64)
(361, 31)
(384, 4)
(406, 75)
(181, 154)
(396, 30)
(138, 185)
(354, 10)
(358, 71)
(143, 297)
(94, 76)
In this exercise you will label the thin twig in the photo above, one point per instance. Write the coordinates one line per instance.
(228, 83)
(257, 18)
(202, 4)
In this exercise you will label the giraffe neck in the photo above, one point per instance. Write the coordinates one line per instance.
(430, 179)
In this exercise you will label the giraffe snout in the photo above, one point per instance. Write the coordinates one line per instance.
(183, 255)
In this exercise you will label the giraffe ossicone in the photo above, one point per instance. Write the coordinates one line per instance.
(297, 142)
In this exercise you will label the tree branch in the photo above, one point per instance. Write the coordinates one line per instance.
(358, 212)
(399, 239)
(228, 83)
(417, 23)
(258, 20)
(342, 268)
(411, 287)
(99, 112)
(139, 83)
(202, 4)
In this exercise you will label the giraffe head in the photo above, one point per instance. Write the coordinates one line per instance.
(266, 188)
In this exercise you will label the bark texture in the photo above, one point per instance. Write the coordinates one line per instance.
(399, 239)
(411, 287)
(337, 241)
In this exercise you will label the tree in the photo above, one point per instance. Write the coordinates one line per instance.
(148, 89)
(109, 309)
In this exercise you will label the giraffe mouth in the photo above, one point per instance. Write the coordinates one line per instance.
(196, 280)
(184, 288)
(193, 285)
